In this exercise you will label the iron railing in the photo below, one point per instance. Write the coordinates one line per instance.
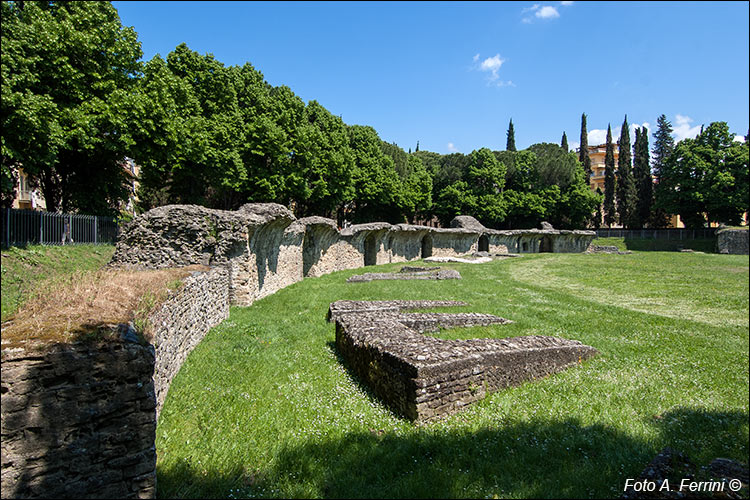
(659, 234)
(31, 227)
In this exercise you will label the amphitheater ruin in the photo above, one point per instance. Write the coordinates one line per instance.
(79, 421)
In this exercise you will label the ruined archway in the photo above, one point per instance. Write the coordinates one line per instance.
(426, 246)
(545, 244)
(483, 244)
(371, 249)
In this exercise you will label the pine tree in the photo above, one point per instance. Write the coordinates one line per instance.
(642, 177)
(510, 145)
(564, 143)
(626, 192)
(663, 147)
(610, 213)
(583, 154)
(417, 147)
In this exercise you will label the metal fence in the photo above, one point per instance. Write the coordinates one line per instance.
(659, 234)
(30, 227)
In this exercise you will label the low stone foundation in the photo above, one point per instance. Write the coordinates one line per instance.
(423, 378)
(733, 241)
(78, 421)
(408, 273)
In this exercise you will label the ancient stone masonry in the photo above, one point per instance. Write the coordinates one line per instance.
(409, 273)
(266, 248)
(733, 241)
(182, 322)
(78, 421)
(423, 378)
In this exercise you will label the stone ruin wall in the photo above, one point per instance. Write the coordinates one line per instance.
(733, 241)
(80, 421)
(182, 322)
(266, 248)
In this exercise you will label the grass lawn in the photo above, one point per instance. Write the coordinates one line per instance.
(263, 407)
(37, 267)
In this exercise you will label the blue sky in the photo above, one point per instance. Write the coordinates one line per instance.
(452, 74)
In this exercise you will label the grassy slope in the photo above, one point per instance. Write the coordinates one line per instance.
(32, 268)
(263, 407)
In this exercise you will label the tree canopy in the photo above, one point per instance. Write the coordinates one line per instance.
(706, 179)
(69, 72)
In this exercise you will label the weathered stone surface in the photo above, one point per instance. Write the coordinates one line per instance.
(182, 322)
(445, 274)
(468, 222)
(266, 248)
(733, 241)
(606, 249)
(463, 260)
(423, 378)
(86, 426)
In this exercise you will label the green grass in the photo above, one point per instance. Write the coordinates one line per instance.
(25, 269)
(263, 407)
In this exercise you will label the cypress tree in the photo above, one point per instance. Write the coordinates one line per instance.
(510, 145)
(583, 154)
(610, 212)
(564, 143)
(417, 147)
(643, 179)
(598, 216)
(626, 192)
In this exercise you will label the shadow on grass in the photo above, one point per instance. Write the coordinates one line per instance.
(544, 459)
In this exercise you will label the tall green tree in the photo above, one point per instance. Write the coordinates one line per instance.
(69, 71)
(486, 178)
(510, 143)
(663, 147)
(706, 179)
(643, 179)
(598, 216)
(625, 191)
(583, 152)
(564, 143)
(609, 209)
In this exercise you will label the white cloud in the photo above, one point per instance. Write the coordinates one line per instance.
(541, 12)
(452, 148)
(682, 129)
(492, 66)
(597, 137)
(739, 138)
(547, 12)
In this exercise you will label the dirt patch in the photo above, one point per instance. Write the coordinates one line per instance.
(88, 306)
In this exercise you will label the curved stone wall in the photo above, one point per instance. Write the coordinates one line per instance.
(267, 249)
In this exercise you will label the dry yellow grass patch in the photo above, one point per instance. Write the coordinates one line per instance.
(88, 305)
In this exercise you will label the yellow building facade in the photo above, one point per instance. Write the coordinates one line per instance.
(597, 154)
